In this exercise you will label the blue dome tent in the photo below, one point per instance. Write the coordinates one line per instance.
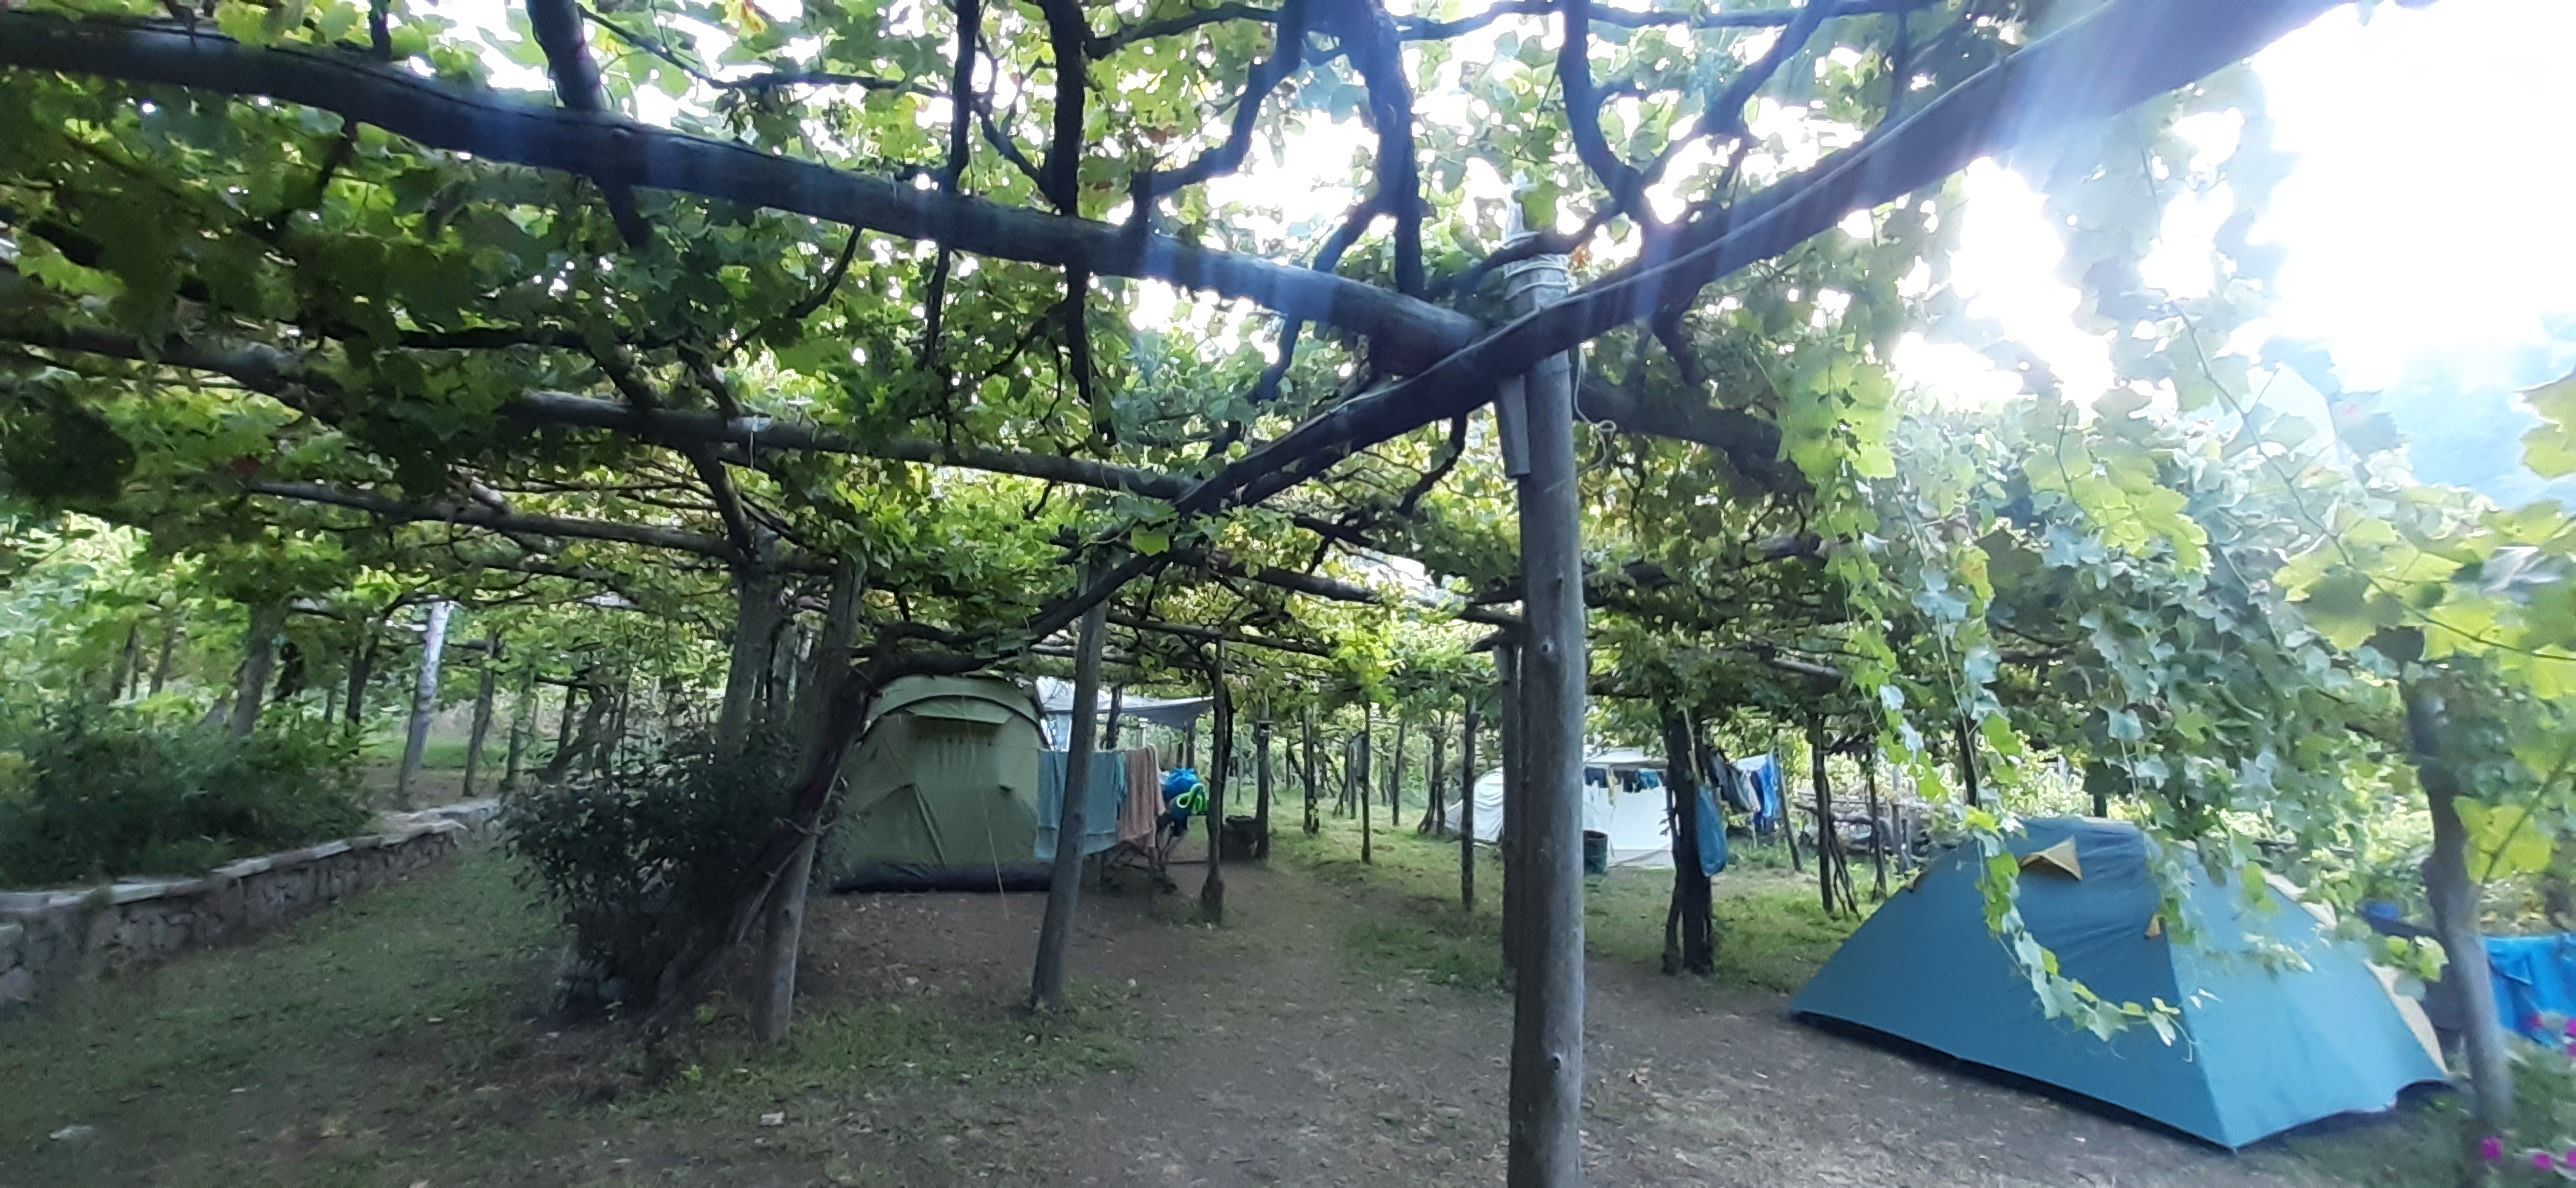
(2259, 1051)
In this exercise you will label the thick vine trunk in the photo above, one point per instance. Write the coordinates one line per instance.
(587, 738)
(1261, 782)
(1434, 805)
(1314, 823)
(362, 669)
(523, 715)
(1064, 883)
(1824, 814)
(424, 697)
(128, 659)
(1221, 765)
(2454, 899)
(1690, 924)
(565, 716)
(1467, 811)
(1878, 825)
(485, 686)
(1360, 782)
(1967, 758)
(1395, 772)
(755, 622)
(259, 658)
(169, 650)
(784, 930)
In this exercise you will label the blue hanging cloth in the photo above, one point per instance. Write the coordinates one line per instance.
(1712, 836)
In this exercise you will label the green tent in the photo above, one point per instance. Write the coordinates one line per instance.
(942, 792)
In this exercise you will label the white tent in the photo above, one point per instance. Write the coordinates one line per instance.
(1614, 802)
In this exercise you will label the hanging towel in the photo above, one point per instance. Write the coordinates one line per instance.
(1144, 805)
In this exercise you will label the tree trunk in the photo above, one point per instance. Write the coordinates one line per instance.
(1878, 826)
(2454, 900)
(783, 931)
(561, 761)
(1221, 763)
(362, 669)
(1395, 772)
(755, 622)
(523, 715)
(259, 657)
(1434, 810)
(1967, 757)
(1360, 781)
(484, 687)
(1109, 725)
(169, 649)
(1788, 806)
(1261, 781)
(587, 738)
(1508, 831)
(1314, 823)
(424, 697)
(1692, 913)
(1546, 1095)
(1064, 882)
(621, 704)
(1467, 810)
(330, 704)
(128, 659)
(1833, 867)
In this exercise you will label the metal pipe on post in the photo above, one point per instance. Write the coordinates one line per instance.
(1546, 1100)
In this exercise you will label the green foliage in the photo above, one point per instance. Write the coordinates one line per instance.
(2540, 1145)
(641, 860)
(102, 793)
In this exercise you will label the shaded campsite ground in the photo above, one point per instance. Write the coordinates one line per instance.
(1338, 1030)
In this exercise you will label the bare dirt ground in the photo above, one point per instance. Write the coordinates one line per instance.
(1269, 1056)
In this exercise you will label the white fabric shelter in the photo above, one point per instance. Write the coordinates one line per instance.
(1055, 700)
(1640, 833)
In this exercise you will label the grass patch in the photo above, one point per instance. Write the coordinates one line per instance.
(1772, 932)
(241, 1063)
(1444, 952)
(398, 1038)
(439, 752)
(834, 1059)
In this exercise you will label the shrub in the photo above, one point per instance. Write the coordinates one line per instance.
(101, 793)
(2542, 1145)
(641, 859)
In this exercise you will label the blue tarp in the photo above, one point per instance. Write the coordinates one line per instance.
(1712, 836)
(2259, 1052)
(1099, 812)
(2534, 976)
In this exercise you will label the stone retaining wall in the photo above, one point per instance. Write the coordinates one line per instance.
(54, 942)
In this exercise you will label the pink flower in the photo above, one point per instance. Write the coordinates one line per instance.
(2571, 1028)
(2568, 1160)
(2540, 1160)
(2533, 1022)
(2491, 1149)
